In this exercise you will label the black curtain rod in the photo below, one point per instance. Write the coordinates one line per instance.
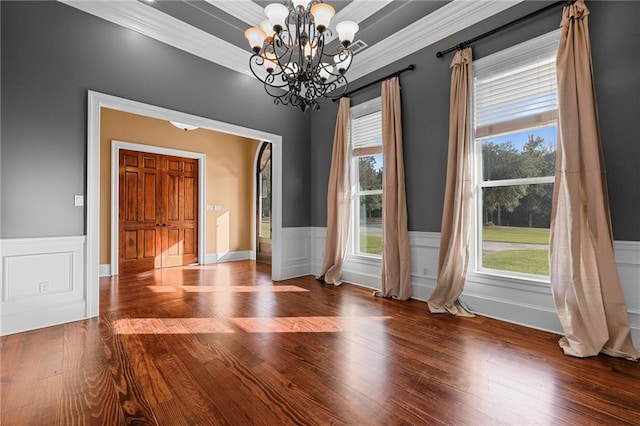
(395, 74)
(502, 27)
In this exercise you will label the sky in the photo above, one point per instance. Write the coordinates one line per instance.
(518, 139)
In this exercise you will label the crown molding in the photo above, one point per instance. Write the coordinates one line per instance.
(448, 20)
(244, 10)
(151, 22)
(251, 13)
(357, 11)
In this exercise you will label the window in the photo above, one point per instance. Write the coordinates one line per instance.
(366, 169)
(515, 111)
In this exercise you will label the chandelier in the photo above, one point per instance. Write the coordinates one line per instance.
(289, 55)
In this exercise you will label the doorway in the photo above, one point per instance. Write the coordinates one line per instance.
(263, 204)
(158, 211)
(96, 101)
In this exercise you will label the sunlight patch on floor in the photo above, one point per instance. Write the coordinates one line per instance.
(162, 289)
(248, 325)
(227, 289)
(299, 324)
(171, 326)
(242, 289)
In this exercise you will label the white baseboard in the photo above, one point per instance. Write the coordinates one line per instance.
(528, 304)
(42, 282)
(209, 258)
(231, 256)
(104, 270)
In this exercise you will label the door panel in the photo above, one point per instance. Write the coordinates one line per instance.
(182, 212)
(158, 211)
(139, 194)
(150, 186)
(189, 199)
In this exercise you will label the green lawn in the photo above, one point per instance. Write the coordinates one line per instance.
(370, 244)
(525, 261)
(509, 234)
(265, 228)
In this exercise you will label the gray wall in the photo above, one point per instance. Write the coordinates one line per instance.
(615, 40)
(52, 54)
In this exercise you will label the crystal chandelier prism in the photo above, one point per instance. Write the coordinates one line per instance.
(289, 55)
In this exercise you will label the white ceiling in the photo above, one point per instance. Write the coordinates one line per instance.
(213, 29)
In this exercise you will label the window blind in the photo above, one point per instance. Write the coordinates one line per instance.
(517, 84)
(516, 94)
(366, 130)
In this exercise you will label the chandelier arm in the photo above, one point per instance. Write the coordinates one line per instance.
(270, 79)
(278, 52)
(319, 47)
(299, 20)
(337, 88)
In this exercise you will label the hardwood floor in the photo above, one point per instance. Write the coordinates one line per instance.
(223, 344)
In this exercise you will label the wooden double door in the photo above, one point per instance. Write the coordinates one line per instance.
(158, 211)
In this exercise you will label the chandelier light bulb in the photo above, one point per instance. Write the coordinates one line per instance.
(342, 61)
(300, 4)
(347, 31)
(277, 14)
(322, 14)
(256, 37)
(270, 61)
(267, 28)
(325, 71)
(309, 51)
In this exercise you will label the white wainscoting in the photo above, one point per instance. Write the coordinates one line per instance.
(628, 261)
(296, 252)
(42, 282)
(525, 303)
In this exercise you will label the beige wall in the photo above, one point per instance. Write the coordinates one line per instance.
(228, 177)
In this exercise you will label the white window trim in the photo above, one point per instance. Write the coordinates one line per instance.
(513, 280)
(357, 111)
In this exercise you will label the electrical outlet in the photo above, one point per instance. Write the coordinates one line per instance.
(210, 207)
(217, 207)
(44, 287)
(425, 271)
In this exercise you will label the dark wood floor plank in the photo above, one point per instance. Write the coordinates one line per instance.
(224, 345)
(130, 395)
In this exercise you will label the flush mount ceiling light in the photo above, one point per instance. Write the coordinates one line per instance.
(290, 47)
(183, 126)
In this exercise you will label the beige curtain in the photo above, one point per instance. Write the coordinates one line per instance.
(454, 235)
(396, 277)
(338, 200)
(584, 278)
